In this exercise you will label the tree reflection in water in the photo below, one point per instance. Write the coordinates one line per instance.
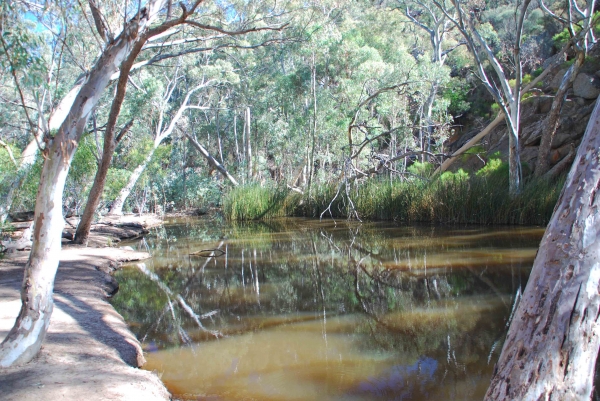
(334, 311)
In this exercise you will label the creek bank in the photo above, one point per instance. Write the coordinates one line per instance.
(108, 231)
(89, 352)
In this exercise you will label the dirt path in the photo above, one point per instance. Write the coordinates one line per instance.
(89, 353)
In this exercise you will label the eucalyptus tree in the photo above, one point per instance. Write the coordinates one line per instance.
(122, 39)
(428, 18)
(464, 16)
(182, 44)
(196, 98)
(346, 57)
(34, 58)
(25, 338)
(552, 344)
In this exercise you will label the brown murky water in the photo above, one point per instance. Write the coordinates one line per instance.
(298, 309)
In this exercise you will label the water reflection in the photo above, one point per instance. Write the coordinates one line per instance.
(297, 309)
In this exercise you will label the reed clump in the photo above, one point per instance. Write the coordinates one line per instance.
(255, 202)
(452, 198)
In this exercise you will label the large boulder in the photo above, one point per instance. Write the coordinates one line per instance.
(554, 84)
(586, 86)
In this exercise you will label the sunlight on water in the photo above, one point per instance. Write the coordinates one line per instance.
(304, 310)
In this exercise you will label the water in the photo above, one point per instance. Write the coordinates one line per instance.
(298, 309)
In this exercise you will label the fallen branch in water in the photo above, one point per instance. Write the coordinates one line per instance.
(208, 253)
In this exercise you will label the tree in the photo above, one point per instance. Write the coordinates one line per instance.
(435, 23)
(24, 56)
(552, 344)
(162, 131)
(25, 338)
(110, 141)
(508, 97)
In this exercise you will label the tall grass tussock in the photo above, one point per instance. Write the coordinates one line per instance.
(452, 198)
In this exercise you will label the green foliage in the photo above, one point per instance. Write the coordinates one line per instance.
(456, 92)
(495, 109)
(22, 47)
(448, 176)
(26, 194)
(493, 167)
(421, 169)
(561, 38)
(115, 180)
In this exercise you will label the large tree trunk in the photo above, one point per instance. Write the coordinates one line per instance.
(119, 202)
(552, 344)
(24, 340)
(110, 143)
(85, 224)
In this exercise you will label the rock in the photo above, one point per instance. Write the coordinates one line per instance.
(556, 155)
(20, 245)
(22, 216)
(544, 104)
(555, 83)
(586, 86)
(529, 155)
(551, 60)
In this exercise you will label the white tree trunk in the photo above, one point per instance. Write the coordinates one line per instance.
(249, 160)
(552, 344)
(24, 340)
(117, 206)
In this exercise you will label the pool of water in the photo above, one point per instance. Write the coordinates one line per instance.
(298, 309)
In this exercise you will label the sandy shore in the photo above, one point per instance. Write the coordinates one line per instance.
(89, 353)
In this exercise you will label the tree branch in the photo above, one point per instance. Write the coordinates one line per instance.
(101, 25)
(235, 33)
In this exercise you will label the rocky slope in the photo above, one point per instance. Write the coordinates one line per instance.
(574, 116)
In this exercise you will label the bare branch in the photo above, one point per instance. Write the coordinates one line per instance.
(182, 41)
(10, 153)
(235, 33)
(124, 130)
(100, 22)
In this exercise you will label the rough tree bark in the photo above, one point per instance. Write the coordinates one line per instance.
(552, 343)
(85, 224)
(24, 340)
(110, 143)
